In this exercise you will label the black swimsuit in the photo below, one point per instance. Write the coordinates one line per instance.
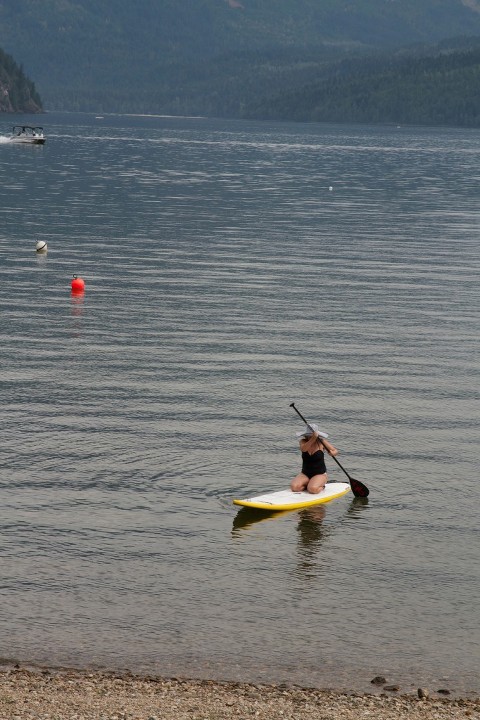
(313, 464)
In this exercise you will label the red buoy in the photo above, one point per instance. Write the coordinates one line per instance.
(78, 285)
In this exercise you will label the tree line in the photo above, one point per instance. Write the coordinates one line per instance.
(435, 90)
(17, 92)
(431, 85)
(419, 85)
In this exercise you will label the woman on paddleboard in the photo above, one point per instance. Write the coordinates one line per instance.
(313, 476)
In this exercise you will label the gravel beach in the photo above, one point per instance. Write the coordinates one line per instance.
(73, 695)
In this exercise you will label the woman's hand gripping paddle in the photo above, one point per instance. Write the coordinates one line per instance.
(358, 488)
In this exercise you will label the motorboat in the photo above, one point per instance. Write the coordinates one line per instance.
(28, 135)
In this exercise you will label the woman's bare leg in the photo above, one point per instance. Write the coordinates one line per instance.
(299, 483)
(317, 483)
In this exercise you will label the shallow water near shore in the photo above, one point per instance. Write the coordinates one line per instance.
(232, 268)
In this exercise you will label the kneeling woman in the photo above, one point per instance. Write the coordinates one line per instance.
(313, 477)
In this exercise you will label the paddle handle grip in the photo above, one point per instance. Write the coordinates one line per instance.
(292, 405)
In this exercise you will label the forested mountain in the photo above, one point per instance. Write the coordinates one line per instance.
(307, 59)
(17, 92)
(432, 86)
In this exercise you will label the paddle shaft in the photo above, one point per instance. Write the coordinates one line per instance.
(358, 488)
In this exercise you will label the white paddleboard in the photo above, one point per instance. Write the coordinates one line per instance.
(288, 500)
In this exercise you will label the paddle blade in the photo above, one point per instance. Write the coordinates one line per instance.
(358, 488)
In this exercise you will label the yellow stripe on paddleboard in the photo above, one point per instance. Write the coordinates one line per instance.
(252, 503)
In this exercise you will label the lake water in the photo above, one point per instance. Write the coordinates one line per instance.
(232, 268)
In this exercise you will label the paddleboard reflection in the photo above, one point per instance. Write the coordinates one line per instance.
(246, 517)
(309, 518)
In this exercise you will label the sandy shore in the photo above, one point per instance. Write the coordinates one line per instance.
(73, 695)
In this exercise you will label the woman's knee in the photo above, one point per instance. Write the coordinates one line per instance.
(298, 484)
(317, 483)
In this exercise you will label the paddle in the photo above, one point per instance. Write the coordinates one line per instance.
(358, 488)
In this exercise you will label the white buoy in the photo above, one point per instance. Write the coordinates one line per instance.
(41, 246)
(330, 188)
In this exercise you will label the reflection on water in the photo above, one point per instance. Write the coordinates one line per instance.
(246, 517)
(310, 528)
(41, 258)
(357, 505)
(311, 535)
(77, 300)
(312, 532)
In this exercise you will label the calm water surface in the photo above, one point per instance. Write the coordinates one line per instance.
(230, 269)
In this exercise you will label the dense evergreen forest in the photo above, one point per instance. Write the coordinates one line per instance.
(418, 85)
(17, 92)
(435, 86)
